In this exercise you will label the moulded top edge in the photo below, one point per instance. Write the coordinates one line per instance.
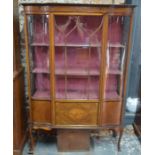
(79, 4)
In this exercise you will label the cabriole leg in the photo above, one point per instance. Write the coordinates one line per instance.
(119, 139)
(31, 141)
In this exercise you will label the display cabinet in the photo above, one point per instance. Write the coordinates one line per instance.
(77, 65)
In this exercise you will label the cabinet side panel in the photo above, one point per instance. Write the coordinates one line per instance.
(18, 108)
(41, 111)
(111, 113)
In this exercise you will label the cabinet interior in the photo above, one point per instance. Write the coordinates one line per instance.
(77, 56)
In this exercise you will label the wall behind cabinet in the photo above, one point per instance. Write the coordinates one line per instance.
(135, 63)
(133, 86)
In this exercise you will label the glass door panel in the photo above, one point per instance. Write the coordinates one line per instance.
(38, 29)
(60, 87)
(118, 30)
(77, 56)
(60, 61)
(41, 88)
(77, 88)
(93, 87)
(113, 83)
(78, 30)
(77, 61)
(40, 59)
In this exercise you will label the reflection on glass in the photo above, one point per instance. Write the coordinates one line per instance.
(38, 29)
(112, 87)
(78, 30)
(115, 59)
(118, 30)
(77, 88)
(41, 86)
(79, 61)
(39, 56)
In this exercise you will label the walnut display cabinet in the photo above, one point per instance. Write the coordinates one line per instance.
(77, 65)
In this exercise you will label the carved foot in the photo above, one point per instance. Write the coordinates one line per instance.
(31, 141)
(119, 139)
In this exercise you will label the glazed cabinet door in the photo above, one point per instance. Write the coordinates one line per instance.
(39, 60)
(117, 43)
(39, 67)
(77, 46)
(77, 42)
(116, 57)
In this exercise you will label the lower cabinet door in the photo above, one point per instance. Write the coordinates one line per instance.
(41, 111)
(76, 113)
(111, 113)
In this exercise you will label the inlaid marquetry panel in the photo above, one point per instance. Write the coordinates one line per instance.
(76, 113)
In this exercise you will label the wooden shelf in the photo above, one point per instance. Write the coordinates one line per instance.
(111, 95)
(44, 95)
(39, 44)
(78, 95)
(40, 70)
(117, 45)
(117, 72)
(76, 45)
(77, 72)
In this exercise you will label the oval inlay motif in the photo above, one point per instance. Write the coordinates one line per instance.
(77, 114)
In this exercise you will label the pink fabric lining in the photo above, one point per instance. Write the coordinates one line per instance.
(42, 82)
(41, 86)
(77, 88)
(115, 58)
(115, 29)
(77, 61)
(111, 95)
(111, 90)
(41, 94)
(81, 34)
(40, 29)
(41, 59)
(77, 58)
(115, 35)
